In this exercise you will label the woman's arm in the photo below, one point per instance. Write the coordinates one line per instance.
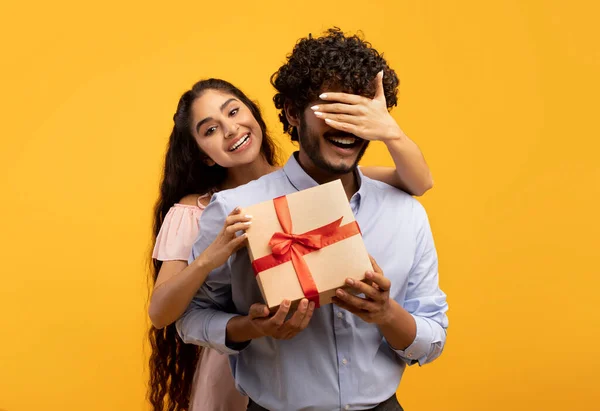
(176, 285)
(411, 174)
(177, 282)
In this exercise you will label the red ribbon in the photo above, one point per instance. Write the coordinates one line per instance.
(286, 246)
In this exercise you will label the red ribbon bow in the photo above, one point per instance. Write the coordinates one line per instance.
(287, 246)
(281, 242)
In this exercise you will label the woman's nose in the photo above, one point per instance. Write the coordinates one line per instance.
(231, 130)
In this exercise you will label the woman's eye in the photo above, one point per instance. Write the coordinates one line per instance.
(234, 112)
(209, 131)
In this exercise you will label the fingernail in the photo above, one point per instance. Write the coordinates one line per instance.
(236, 209)
(318, 114)
(304, 303)
(248, 216)
(369, 274)
(247, 222)
(315, 108)
(286, 303)
(340, 293)
(323, 96)
(349, 281)
(311, 305)
(328, 120)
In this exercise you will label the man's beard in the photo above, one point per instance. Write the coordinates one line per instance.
(310, 144)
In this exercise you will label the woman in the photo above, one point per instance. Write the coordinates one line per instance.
(220, 141)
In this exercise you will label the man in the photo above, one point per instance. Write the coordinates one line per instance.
(351, 354)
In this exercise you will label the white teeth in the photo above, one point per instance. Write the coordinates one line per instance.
(344, 140)
(240, 142)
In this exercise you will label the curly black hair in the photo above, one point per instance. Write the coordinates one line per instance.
(348, 63)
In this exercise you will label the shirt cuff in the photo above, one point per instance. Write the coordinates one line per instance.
(214, 333)
(420, 347)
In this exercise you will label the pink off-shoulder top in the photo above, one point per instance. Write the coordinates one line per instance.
(178, 232)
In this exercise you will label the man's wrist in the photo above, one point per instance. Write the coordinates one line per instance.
(398, 326)
(390, 317)
(240, 330)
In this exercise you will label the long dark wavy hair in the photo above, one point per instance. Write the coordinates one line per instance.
(172, 363)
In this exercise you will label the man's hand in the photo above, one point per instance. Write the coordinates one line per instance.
(277, 326)
(375, 307)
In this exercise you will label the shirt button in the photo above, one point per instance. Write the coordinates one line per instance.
(344, 361)
(409, 355)
(340, 315)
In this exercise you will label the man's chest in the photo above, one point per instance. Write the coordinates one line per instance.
(392, 244)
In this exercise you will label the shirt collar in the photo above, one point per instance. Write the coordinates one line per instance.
(296, 174)
(362, 187)
(301, 181)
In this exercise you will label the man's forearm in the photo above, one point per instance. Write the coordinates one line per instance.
(240, 330)
(400, 329)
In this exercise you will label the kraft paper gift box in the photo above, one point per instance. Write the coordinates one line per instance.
(305, 245)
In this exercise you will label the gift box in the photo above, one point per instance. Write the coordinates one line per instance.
(305, 245)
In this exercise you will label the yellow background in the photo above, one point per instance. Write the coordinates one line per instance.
(501, 96)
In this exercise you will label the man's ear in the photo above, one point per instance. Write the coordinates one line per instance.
(291, 113)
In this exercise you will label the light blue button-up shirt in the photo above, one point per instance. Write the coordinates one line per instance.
(338, 361)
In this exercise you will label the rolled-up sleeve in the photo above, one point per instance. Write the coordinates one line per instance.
(205, 320)
(206, 327)
(425, 301)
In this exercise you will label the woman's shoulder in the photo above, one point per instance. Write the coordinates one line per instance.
(194, 200)
(180, 228)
